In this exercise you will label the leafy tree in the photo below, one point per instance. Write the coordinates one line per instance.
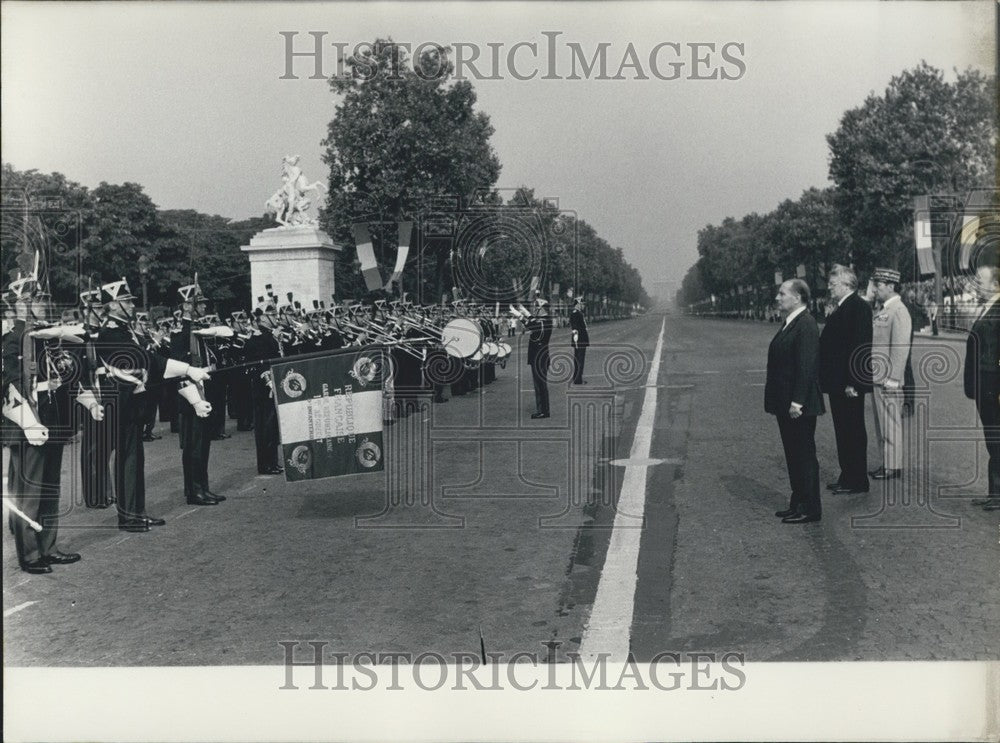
(50, 213)
(923, 135)
(399, 140)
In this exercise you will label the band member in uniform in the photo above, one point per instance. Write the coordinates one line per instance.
(261, 345)
(891, 334)
(982, 376)
(133, 370)
(37, 422)
(241, 393)
(845, 375)
(580, 339)
(539, 327)
(792, 396)
(98, 438)
(188, 346)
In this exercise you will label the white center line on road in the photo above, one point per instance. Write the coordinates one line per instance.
(756, 371)
(16, 609)
(756, 384)
(115, 544)
(610, 623)
(185, 513)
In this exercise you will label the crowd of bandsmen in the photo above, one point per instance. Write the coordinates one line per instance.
(104, 372)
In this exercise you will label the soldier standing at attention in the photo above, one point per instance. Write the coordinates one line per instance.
(580, 339)
(891, 337)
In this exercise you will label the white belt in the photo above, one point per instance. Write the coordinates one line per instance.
(47, 385)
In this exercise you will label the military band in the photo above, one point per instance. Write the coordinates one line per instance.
(103, 371)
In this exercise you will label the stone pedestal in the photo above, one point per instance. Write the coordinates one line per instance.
(292, 259)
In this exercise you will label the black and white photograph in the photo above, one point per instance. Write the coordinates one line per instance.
(500, 371)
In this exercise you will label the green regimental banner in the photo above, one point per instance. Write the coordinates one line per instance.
(330, 414)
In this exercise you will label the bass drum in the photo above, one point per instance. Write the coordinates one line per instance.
(462, 338)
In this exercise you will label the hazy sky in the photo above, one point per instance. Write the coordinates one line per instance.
(186, 99)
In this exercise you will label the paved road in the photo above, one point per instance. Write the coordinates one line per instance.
(494, 522)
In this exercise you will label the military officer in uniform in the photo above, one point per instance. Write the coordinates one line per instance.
(580, 339)
(97, 442)
(891, 335)
(133, 370)
(539, 327)
(189, 346)
(261, 345)
(982, 376)
(37, 422)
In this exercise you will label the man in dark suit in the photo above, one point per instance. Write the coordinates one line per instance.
(580, 341)
(539, 325)
(844, 375)
(792, 396)
(982, 376)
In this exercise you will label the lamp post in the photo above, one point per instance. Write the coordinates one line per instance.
(144, 276)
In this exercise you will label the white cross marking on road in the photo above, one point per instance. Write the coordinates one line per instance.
(610, 624)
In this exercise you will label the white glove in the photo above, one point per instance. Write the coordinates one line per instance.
(216, 331)
(89, 400)
(17, 410)
(198, 374)
(576, 337)
(202, 409)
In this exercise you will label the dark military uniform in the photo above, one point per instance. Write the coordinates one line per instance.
(195, 432)
(578, 324)
(540, 329)
(98, 435)
(126, 408)
(34, 472)
(260, 347)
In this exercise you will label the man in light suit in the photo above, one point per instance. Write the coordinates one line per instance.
(845, 376)
(891, 336)
(982, 376)
(792, 396)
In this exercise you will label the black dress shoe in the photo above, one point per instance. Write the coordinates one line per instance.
(214, 496)
(800, 518)
(879, 471)
(833, 485)
(888, 474)
(136, 526)
(150, 521)
(60, 558)
(848, 491)
(198, 499)
(786, 513)
(221, 436)
(992, 504)
(539, 415)
(38, 567)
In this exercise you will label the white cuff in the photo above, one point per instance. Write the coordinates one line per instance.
(175, 369)
(190, 393)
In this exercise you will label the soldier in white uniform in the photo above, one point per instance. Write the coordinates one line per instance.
(891, 337)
